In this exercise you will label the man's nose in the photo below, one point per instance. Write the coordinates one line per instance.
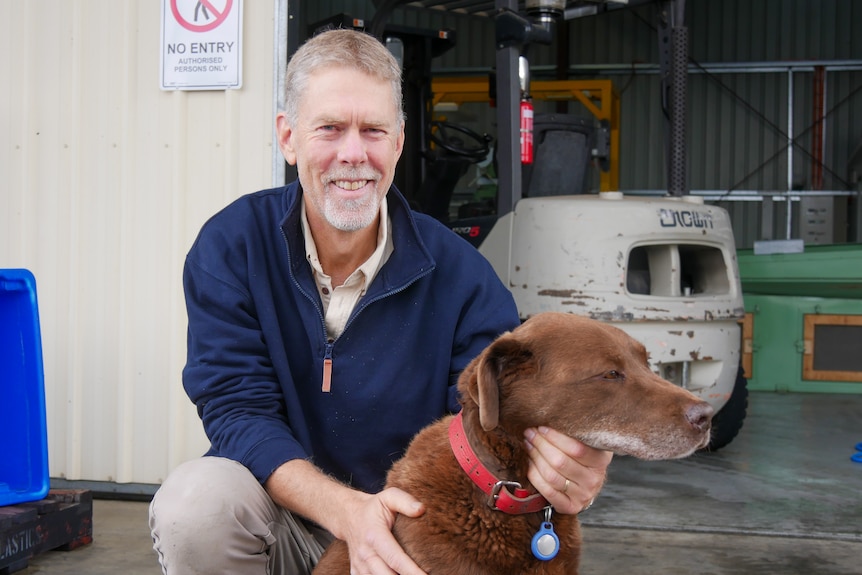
(352, 148)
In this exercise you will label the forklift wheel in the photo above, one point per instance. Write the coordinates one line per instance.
(728, 421)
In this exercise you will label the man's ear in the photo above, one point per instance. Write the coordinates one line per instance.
(285, 138)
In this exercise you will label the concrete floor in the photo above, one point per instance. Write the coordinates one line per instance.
(783, 498)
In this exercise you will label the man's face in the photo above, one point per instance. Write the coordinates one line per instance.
(345, 145)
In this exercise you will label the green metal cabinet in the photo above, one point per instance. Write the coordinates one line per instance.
(804, 319)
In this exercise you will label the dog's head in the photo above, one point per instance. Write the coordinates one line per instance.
(586, 379)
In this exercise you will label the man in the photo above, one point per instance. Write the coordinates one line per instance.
(327, 325)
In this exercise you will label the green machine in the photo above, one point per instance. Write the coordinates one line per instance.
(803, 324)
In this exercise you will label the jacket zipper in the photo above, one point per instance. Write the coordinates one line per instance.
(327, 367)
(326, 384)
(327, 354)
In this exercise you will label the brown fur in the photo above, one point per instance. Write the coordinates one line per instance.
(581, 377)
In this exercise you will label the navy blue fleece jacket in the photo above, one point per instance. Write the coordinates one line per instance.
(257, 341)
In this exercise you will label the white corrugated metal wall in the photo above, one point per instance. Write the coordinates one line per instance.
(104, 182)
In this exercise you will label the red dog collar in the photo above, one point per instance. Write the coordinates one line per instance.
(499, 496)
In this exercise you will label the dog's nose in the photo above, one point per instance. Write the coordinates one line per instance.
(699, 415)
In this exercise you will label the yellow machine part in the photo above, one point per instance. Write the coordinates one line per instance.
(597, 96)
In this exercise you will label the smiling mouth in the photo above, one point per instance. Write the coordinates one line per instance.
(351, 185)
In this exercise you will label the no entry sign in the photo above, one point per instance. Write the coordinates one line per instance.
(201, 44)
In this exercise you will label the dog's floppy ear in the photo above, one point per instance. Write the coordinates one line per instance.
(504, 354)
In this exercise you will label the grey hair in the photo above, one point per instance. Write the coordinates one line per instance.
(343, 48)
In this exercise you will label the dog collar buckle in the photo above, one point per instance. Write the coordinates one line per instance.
(500, 498)
(495, 491)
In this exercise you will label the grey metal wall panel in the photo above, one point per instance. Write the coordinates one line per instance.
(475, 35)
(620, 36)
(311, 12)
(771, 30)
(843, 127)
(737, 127)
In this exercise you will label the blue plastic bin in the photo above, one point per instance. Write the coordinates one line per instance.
(23, 429)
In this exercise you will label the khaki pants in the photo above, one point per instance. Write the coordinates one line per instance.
(212, 516)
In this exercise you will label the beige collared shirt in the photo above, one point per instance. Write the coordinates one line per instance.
(339, 302)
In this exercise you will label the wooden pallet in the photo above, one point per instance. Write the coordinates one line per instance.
(63, 521)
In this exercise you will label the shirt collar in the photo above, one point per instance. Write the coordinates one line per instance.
(371, 266)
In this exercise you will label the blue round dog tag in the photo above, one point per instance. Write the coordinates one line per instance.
(545, 544)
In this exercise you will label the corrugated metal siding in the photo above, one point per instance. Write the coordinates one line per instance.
(721, 115)
(475, 35)
(105, 182)
(771, 30)
(737, 132)
(311, 12)
(738, 121)
(624, 36)
(844, 125)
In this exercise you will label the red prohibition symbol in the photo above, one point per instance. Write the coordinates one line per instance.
(207, 10)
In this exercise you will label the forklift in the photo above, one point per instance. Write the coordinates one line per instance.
(663, 269)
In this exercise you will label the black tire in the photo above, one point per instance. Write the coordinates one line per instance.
(728, 421)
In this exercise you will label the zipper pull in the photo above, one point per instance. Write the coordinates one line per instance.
(327, 368)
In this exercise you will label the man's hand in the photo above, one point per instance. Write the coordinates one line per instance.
(362, 520)
(368, 533)
(565, 471)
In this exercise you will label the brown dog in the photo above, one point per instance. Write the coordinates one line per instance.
(579, 376)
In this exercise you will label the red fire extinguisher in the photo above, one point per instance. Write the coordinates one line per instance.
(526, 130)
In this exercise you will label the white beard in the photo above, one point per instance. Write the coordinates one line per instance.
(351, 215)
(354, 214)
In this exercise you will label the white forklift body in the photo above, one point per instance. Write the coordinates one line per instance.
(662, 269)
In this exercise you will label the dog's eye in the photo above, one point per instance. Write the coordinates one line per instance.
(613, 374)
